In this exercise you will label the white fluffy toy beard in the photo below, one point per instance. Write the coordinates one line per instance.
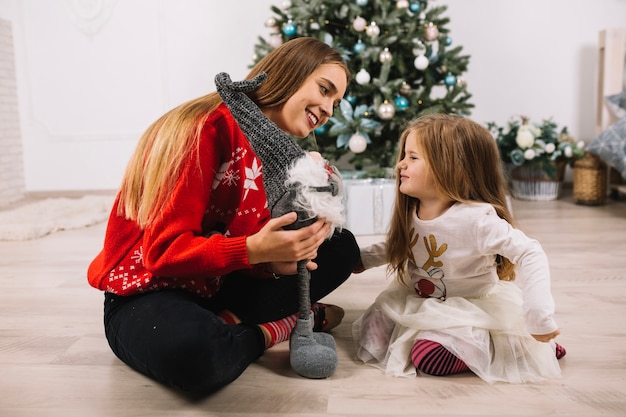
(320, 191)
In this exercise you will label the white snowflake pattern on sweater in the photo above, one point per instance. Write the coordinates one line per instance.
(252, 174)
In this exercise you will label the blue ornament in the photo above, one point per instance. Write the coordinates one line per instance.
(289, 28)
(415, 6)
(402, 103)
(448, 41)
(351, 99)
(450, 80)
(361, 3)
(321, 130)
(359, 47)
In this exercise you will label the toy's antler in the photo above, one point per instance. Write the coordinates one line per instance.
(312, 354)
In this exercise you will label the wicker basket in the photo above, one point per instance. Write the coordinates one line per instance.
(590, 180)
(534, 184)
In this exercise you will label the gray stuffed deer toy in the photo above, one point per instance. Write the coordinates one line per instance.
(294, 181)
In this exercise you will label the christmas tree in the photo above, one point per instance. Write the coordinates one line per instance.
(403, 62)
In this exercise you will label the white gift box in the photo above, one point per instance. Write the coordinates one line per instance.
(368, 204)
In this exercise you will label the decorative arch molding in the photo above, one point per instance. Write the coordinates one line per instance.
(90, 16)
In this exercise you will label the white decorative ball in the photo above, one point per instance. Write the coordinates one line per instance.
(285, 4)
(359, 24)
(386, 111)
(363, 77)
(421, 62)
(270, 23)
(357, 143)
(402, 4)
(275, 40)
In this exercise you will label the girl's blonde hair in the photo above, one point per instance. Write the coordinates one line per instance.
(154, 167)
(466, 167)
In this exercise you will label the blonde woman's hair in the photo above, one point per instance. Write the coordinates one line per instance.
(154, 167)
(466, 167)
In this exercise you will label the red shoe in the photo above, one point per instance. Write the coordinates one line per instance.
(560, 351)
(326, 316)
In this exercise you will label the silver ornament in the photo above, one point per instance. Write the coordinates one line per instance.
(372, 30)
(385, 56)
(405, 88)
(386, 111)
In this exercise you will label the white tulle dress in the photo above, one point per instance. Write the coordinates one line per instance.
(456, 299)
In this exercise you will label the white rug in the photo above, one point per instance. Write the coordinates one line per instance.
(41, 218)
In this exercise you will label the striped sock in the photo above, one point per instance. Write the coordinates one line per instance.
(433, 359)
(279, 330)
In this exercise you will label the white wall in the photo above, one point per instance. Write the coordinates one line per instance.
(534, 57)
(11, 156)
(92, 75)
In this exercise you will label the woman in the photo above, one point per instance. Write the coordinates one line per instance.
(197, 277)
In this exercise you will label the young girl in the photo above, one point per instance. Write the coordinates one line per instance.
(455, 253)
(197, 278)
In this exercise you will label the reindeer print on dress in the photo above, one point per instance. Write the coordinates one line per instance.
(427, 280)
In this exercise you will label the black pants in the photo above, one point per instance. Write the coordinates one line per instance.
(175, 337)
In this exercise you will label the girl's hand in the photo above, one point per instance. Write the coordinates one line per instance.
(546, 337)
(274, 244)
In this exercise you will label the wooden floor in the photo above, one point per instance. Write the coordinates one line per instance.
(55, 361)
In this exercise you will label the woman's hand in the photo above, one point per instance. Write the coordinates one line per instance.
(546, 337)
(273, 244)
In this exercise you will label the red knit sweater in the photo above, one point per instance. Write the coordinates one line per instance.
(222, 197)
